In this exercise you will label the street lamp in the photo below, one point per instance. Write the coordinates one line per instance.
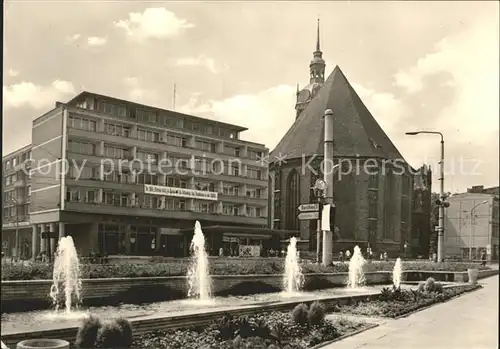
(441, 202)
(471, 230)
(319, 189)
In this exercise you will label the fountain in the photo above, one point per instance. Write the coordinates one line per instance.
(67, 283)
(397, 273)
(356, 275)
(293, 279)
(198, 274)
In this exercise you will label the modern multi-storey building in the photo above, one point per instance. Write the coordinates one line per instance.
(16, 195)
(124, 178)
(472, 222)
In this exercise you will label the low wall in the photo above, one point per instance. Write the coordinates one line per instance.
(446, 276)
(26, 295)
(22, 295)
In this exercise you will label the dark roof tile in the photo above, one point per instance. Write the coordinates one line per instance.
(356, 132)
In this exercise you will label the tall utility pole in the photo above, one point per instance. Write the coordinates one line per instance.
(442, 197)
(328, 178)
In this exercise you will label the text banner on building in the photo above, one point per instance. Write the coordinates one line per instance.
(180, 192)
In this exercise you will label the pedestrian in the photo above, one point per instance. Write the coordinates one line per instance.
(341, 257)
(386, 257)
(483, 258)
(381, 256)
(221, 252)
(348, 255)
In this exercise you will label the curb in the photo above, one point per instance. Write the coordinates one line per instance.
(347, 335)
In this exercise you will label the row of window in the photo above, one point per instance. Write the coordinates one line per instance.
(151, 116)
(87, 124)
(155, 202)
(11, 179)
(8, 164)
(14, 212)
(215, 167)
(14, 195)
(92, 173)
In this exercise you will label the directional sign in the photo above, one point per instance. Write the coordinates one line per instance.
(308, 207)
(308, 215)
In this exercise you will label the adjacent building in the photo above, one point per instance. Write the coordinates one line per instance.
(373, 207)
(125, 178)
(472, 224)
(16, 197)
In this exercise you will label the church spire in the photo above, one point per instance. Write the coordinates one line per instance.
(317, 65)
(317, 40)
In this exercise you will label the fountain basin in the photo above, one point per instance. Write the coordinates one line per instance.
(43, 343)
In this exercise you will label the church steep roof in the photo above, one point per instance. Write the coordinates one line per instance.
(355, 130)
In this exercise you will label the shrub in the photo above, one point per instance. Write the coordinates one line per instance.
(300, 313)
(87, 333)
(245, 329)
(110, 336)
(421, 287)
(126, 330)
(225, 328)
(38, 270)
(385, 294)
(430, 284)
(316, 314)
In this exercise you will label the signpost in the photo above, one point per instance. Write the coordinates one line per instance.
(308, 211)
(308, 207)
(308, 215)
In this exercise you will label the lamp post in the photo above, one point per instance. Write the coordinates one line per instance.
(441, 202)
(319, 192)
(471, 228)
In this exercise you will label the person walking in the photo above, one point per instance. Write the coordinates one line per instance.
(483, 258)
(348, 255)
(341, 257)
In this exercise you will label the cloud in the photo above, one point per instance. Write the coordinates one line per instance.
(471, 59)
(72, 38)
(385, 107)
(96, 41)
(469, 121)
(139, 94)
(201, 60)
(35, 96)
(13, 73)
(154, 22)
(268, 114)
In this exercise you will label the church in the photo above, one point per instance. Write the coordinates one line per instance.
(373, 208)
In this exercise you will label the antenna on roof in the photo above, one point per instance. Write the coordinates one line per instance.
(173, 99)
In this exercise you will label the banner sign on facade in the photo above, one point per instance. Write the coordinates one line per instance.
(180, 192)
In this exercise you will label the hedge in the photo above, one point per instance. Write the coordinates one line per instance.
(41, 271)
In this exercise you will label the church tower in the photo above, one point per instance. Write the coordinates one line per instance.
(316, 78)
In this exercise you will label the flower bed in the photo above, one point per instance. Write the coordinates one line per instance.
(394, 302)
(43, 271)
(301, 329)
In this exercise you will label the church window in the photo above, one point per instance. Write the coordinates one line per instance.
(292, 201)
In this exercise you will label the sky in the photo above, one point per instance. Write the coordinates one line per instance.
(416, 66)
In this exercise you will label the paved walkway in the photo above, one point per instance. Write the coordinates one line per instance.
(468, 322)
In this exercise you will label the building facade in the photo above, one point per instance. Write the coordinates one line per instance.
(124, 178)
(472, 224)
(373, 207)
(16, 197)
(422, 230)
